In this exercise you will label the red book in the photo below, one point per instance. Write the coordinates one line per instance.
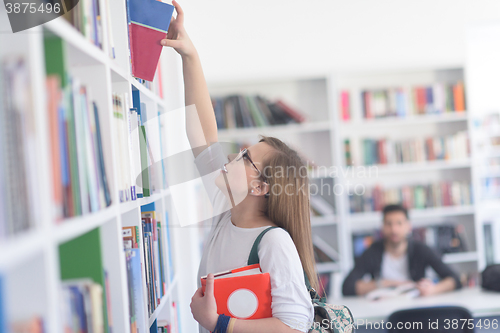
(294, 114)
(378, 200)
(345, 105)
(382, 154)
(243, 293)
(429, 143)
(145, 50)
(421, 100)
(368, 107)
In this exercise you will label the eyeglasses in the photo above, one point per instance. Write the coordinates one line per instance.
(244, 154)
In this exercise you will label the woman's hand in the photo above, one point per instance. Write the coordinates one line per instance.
(177, 37)
(204, 307)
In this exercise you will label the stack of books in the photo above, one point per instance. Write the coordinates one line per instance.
(253, 110)
(388, 151)
(441, 194)
(404, 102)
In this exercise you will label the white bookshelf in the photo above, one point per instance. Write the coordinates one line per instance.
(29, 261)
(482, 68)
(321, 139)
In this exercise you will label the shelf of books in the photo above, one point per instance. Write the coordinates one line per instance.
(86, 218)
(404, 138)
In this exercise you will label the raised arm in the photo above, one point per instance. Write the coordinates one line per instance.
(201, 125)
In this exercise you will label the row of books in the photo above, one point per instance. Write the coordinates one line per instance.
(127, 127)
(403, 102)
(387, 151)
(443, 238)
(141, 171)
(86, 17)
(82, 301)
(79, 176)
(252, 110)
(18, 153)
(440, 194)
(155, 243)
(78, 167)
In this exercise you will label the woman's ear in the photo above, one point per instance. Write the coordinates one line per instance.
(259, 189)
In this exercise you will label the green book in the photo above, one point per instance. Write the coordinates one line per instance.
(144, 162)
(82, 258)
(72, 149)
(256, 113)
(55, 58)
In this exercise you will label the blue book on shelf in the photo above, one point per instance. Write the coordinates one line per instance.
(150, 207)
(136, 101)
(430, 100)
(138, 295)
(169, 248)
(3, 316)
(79, 301)
(154, 327)
(400, 103)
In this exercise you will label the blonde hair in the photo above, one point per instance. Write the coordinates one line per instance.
(288, 202)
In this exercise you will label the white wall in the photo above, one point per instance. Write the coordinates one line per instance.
(241, 40)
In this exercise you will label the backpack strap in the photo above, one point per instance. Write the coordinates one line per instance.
(254, 252)
(253, 258)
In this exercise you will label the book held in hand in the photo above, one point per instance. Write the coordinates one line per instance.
(243, 293)
(148, 22)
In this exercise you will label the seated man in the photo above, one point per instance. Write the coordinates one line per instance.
(397, 259)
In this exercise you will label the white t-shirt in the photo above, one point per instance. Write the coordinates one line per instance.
(228, 247)
(395, 268)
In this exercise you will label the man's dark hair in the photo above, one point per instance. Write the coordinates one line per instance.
(394, 208)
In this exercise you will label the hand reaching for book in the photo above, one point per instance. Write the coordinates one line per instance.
(204, 307)
(177, 37)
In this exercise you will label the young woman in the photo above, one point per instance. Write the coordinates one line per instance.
(265, 185)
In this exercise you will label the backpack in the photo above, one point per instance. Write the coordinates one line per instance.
(328, 318)
(491, 278)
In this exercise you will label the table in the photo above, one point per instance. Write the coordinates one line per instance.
(479, 302)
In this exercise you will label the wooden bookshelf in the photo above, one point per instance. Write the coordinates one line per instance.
(30, 269)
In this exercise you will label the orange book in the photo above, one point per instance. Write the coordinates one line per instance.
(243, 293)
(458, 97)
(54, 98)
